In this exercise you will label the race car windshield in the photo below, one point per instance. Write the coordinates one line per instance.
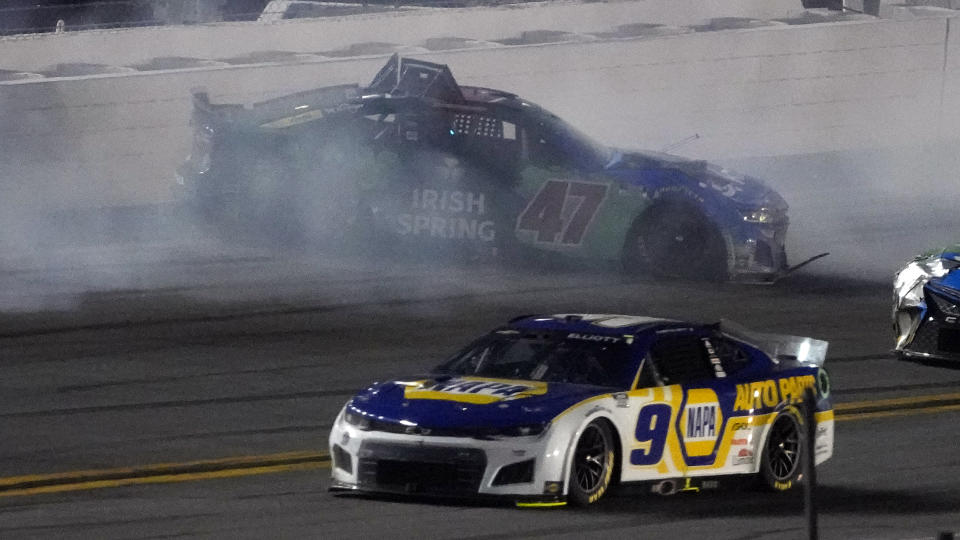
(549, 357)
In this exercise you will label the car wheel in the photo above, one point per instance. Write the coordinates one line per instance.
(780, 464)
(676, 241)
(593, 462)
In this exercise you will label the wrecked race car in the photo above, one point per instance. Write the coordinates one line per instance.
(926, 306)
(416, 163)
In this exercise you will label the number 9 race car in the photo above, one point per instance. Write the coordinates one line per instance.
(415, 163)
(554, 409)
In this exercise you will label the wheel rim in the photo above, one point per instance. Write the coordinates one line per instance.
(590, 459)
(783, 450)
(676, 246)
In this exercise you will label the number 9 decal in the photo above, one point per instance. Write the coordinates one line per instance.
(652, 427)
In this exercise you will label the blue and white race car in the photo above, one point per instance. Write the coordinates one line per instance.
(554, 409)
(926, 308)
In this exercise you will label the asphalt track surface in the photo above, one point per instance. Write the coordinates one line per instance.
(197, 393)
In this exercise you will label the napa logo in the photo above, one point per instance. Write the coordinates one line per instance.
(473, 389)
(700, 423)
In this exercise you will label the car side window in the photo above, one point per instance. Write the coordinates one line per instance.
(680, 359)
(490, 141)
(731, 356)
(646, 378)
(543, 147)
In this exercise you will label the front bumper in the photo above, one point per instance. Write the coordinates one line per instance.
(930, 330)
(757, 252)
(522, 468)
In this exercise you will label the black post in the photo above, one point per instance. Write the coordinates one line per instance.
(809, 462)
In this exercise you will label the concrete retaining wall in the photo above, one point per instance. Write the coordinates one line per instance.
(109, 140)
(410, 27)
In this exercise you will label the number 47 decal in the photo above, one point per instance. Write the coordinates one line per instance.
(561, 211)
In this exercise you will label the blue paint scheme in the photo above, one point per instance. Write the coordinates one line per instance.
(385, 401)
(721, 194)
(951, 280)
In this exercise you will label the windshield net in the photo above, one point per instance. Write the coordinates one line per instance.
(551, 357)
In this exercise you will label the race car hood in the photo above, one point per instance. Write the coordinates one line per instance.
(950, 261)
(467, 403)
(939, 267)
(747, 191)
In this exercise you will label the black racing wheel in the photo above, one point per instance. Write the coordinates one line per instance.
(780, 464)
(593, 462)
(673, 240)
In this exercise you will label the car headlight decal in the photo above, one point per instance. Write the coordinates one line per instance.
(356, 420)
(762, 215)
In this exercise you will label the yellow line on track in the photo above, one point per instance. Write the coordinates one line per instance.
(904, 412)
(891, 402)
(163, 479)
(237, 462)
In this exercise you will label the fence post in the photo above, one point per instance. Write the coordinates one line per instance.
(809, 462)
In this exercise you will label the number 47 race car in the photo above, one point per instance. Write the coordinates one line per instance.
(554, 409)
(417, 164)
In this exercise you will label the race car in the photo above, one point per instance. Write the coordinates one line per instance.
(926, 306)
(552, 409)
(415, 163)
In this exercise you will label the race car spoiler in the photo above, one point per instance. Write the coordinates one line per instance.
(278, 112)
(779, 347)
(399, 77)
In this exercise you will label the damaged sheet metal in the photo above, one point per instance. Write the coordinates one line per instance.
(926, 305)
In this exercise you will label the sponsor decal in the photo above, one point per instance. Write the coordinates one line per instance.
(714, 359)
(739, 425)
(783, 486)
(738, 442)
(447, 215)
(770, 393)
(701, 423)
(743, 457)
(474, 390)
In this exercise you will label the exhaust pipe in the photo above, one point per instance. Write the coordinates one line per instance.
(665, 487)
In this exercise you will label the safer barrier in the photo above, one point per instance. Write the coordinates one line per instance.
(116, 139)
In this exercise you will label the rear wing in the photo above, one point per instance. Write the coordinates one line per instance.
(277, 113)
(779, 347)
(398, 78)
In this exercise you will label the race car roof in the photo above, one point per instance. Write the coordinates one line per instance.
(604, 324)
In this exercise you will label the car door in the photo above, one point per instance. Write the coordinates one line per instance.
(562, 188)
(680, 403)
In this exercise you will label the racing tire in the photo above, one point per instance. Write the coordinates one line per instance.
(676, 241)
(594, 459)
(781, 459)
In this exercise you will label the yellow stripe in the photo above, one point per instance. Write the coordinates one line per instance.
(902, 412)
(540, 504)
(159, 468)
(895, 401)
(164, 479)
(824, 416)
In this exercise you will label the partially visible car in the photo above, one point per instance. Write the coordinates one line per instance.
(926, 306)
(552, 409)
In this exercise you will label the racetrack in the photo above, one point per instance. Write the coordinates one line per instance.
(257, 361)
